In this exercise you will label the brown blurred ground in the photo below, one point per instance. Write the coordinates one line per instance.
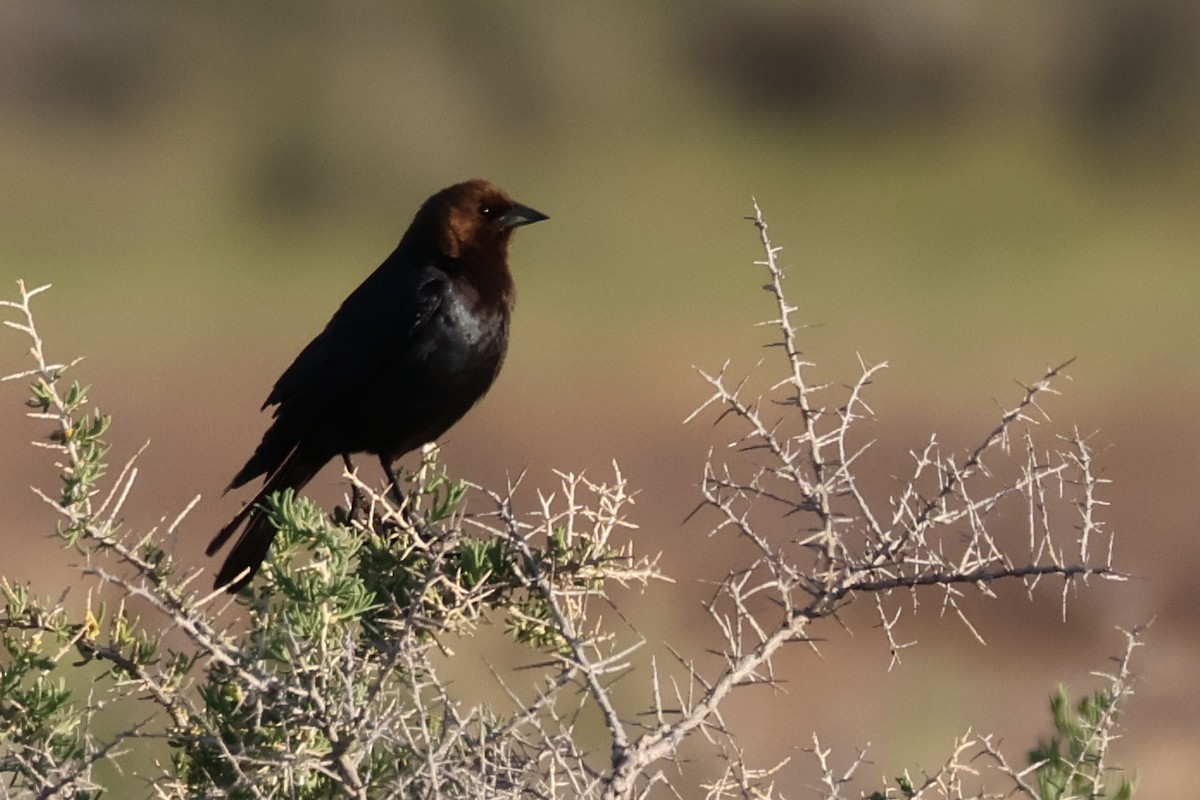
(967, 193)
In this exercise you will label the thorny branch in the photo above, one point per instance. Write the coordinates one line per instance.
(821, 541)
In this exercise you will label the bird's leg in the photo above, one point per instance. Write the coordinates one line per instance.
(407, 516)
(393, 478)
(358, 501)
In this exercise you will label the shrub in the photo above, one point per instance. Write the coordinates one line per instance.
(327, 683)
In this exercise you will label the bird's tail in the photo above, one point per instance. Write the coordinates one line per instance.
(252, 545)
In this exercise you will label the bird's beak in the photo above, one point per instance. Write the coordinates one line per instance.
(520, 215)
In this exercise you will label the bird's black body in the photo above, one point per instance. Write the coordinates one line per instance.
(404, 357)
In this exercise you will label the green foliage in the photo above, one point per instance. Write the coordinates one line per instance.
(903, 784)
(339, 626)
(1071, 763)
(42, 727)
(45, 742)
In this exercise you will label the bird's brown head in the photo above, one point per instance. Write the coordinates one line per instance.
(473, 219)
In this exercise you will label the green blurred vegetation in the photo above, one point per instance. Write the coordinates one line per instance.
(952, 182)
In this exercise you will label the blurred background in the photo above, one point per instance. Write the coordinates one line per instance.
(969, 191)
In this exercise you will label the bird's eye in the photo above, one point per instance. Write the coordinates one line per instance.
(491, 211)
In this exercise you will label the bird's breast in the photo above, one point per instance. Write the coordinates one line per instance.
(451, 364)
(464, 338)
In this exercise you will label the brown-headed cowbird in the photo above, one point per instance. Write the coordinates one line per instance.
(403, 358)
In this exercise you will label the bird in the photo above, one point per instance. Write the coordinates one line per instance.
(403, 358)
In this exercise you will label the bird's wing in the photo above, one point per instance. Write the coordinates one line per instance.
(379, 319)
